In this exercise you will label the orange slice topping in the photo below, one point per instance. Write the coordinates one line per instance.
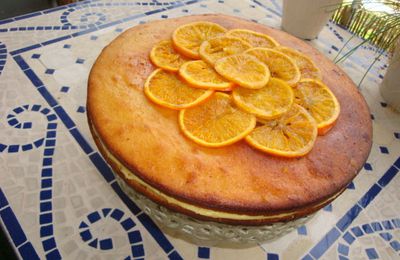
(188, 37)
(255, 39)
(167, 90)
(216, 122)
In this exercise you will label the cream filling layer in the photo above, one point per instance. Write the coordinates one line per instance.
(195, 209)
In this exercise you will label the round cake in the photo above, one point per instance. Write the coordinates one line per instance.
(235, 184)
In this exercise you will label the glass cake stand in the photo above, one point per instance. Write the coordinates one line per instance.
(207, 232)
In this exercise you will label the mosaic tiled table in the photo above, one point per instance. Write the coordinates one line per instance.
(59, 199)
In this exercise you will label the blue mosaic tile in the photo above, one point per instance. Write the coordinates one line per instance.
(49, 244)
(106, 244)
(67, 46)
(137, 250)
(348, 218)
(387, 224)
(64, 117)
(13, 122)
(371, 253)
(328, 207)
(2, 147)
(155, 232)
(117, 214)
(83, 225)
(51, 117)
(307, 257)
(367, 229)
(45, 111)
(81, 109)
(203, 252)
(94, 217)
(271, 256)
(18, 110)
(64, 89)
(45, 218)
(384, 149)
(51, 134)
(80, 61)
(134, 237)
(47, 183)
(35, 56)
(368, 166)
(13, 148)
(302, 230)
(357, 231)
(395, 245)
(106, 211)
(45, 195)
(127, 224)
(94, 243)
(35, 107)
(376, 226)
(104, 169)
(27, 147)
(49, 71)
(27, 125)
(86, 235)
(28, 252)
(343, 249)
(397, 163)
(369, 195)
(39, 142)
(396, 135)
(386, 236)
(81, 141)
(388, 176)
(3, 200)
(46, 231)
(320, 248)
(50, 142)
(47, 96)
(351, 186)
(13, 227)
(93, 37)
(47, 172)
(396, 222)
(49, 151)
(53, 255)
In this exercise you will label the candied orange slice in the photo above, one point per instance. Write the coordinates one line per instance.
(217, 48)
(164, 56)
(291, 135)
(199, 74)
(216, 122)
(167, 90)
(268, 102)
(307, 67)
(319, 101)
(280, 65)
(245, 70)
(255, 39)
(188, 37)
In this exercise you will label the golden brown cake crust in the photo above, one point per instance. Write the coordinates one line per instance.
(146, 138)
